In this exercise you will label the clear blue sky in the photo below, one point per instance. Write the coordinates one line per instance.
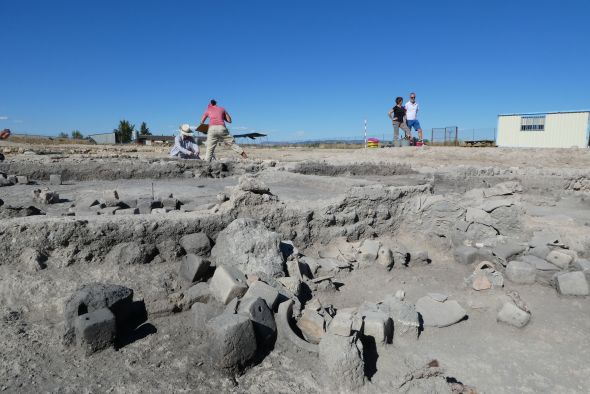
(296, 69)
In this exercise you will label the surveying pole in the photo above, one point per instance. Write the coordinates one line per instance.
(365, 133)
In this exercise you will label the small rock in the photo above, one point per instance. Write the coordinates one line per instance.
(400, 294)
(510, 314)
(438, 297)
(559, 259)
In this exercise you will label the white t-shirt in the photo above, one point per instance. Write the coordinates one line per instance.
(411, 110)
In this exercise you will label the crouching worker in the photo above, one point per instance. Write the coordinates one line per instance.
(185, 146)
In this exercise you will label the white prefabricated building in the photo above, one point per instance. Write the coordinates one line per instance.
(544, 130)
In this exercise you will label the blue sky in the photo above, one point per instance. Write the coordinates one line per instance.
(295, 69)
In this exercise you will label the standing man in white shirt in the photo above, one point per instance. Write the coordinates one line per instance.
(412, 115)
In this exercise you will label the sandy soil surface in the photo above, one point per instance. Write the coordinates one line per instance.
(320, 198)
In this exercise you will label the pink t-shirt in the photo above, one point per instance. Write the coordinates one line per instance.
(216, 115)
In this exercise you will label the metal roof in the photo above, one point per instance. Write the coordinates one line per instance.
(544, 113)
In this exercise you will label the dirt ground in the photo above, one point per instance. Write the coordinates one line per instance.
(322, 196)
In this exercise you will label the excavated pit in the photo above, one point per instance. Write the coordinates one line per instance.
(320, 207)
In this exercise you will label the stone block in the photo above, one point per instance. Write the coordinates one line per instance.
(23, 180)
(145, 206)
(520, 272)
(111, 198)
(86, 203)
(385, 257)
(127, 211)
(342, 361)
(311, 325)
(583, 265)
(95, 330)
(268, 293)
(341, 324)
(193, 268)
(379, 326)
(293, 285)
(45, 196)
(55, 179)
(249, 246)
(199, 292)
(202, 313)
(160, 211)
(419, 258)
(506, 250)
(262, 319)
(538, 263)
(559, 259)
(510, 314)
(227, 283)
(33, 260)
(197, 243)
(406, 320)
(369, 250)
(439, 314)
(171, 203)
(232, 342)
(572, 283)
(92, 297)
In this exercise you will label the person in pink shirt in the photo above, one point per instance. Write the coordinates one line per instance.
(217, 131)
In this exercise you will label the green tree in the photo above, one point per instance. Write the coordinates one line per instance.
(124, 132)
(63, 135)
(144, 130)
(77, 135)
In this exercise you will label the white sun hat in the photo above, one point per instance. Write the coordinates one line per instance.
(185, 129)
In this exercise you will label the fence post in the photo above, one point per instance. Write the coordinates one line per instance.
(456, 136)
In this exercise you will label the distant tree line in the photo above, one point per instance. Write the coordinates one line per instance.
(123, 133)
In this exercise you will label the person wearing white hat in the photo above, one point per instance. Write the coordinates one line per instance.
(185, 146)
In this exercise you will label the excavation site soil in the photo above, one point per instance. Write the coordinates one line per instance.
(398, 270)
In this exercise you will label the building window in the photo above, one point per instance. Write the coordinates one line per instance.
(532, 123)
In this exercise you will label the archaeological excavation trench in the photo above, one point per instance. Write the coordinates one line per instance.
(153, 275)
